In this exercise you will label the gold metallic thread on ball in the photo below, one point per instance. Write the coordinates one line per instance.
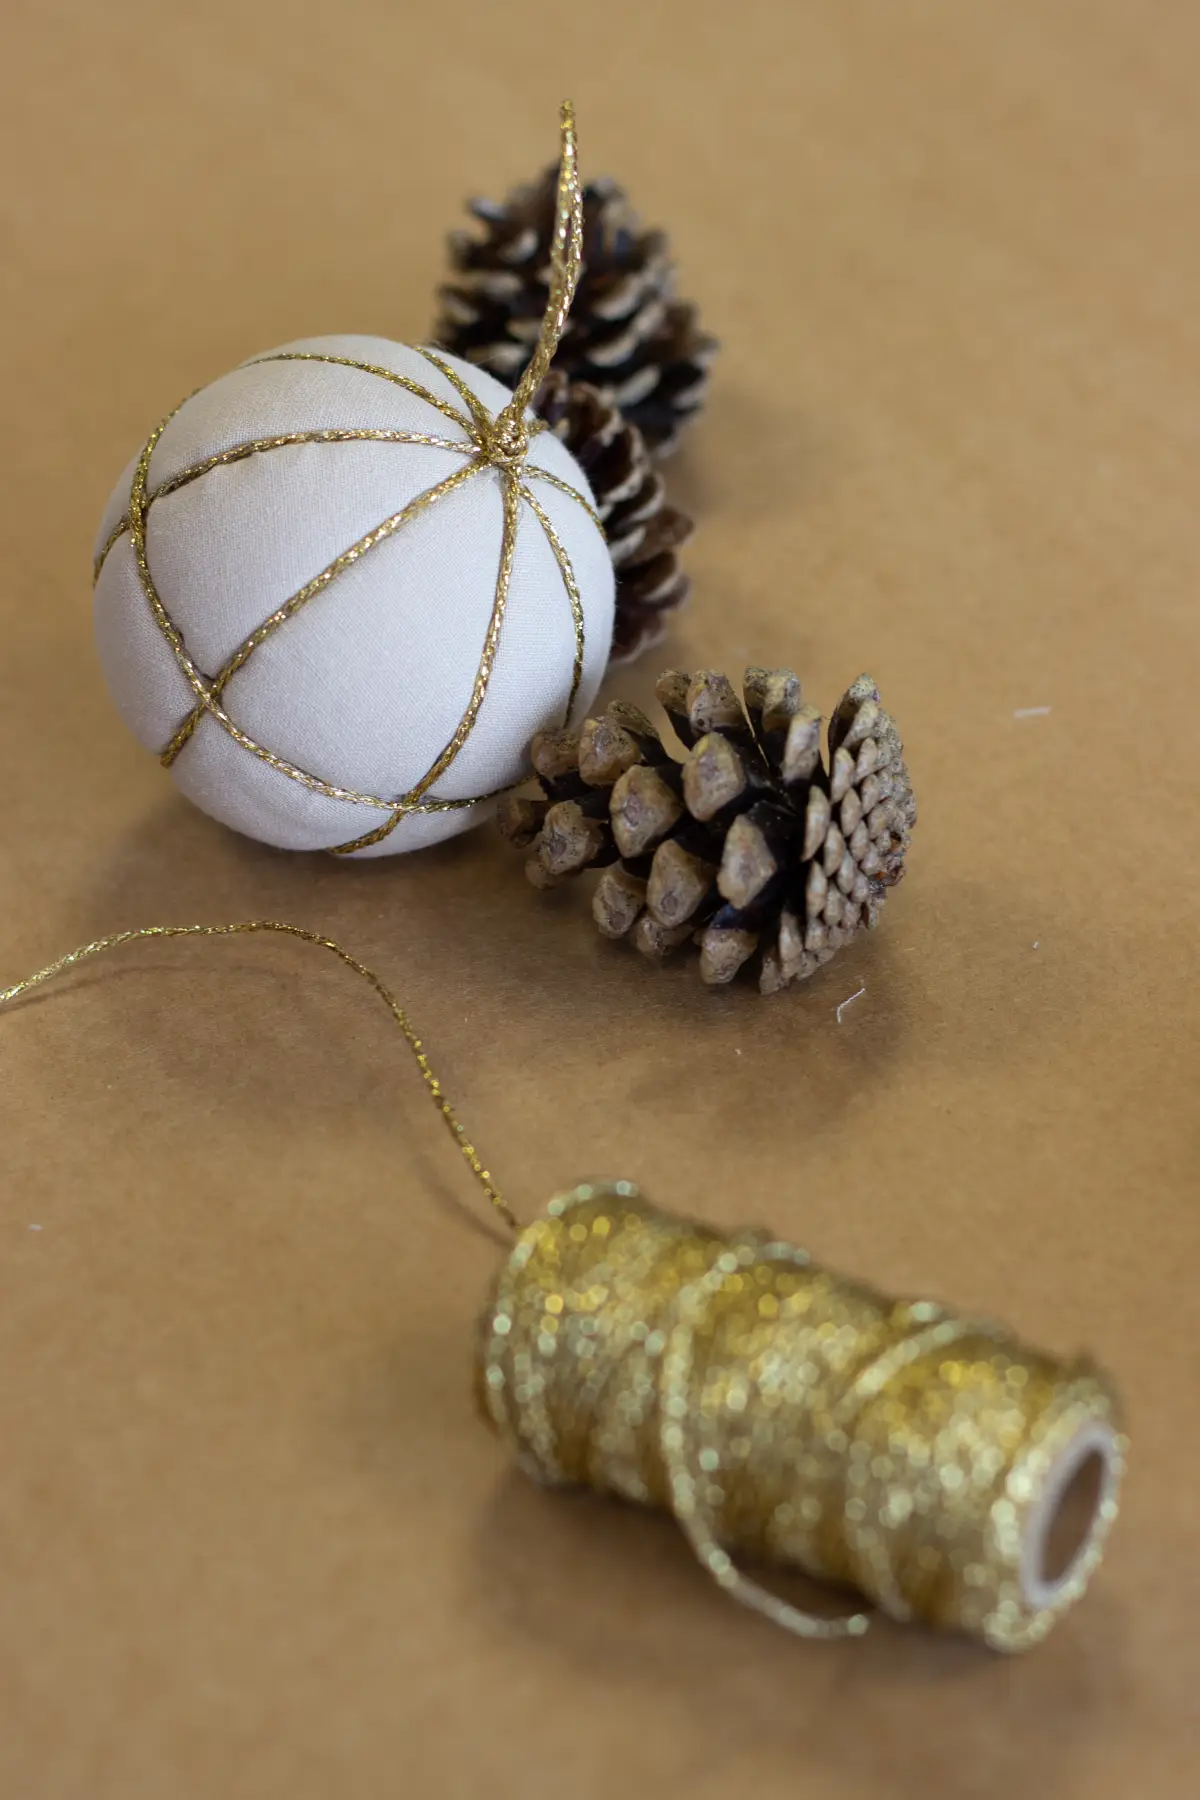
(499, 443)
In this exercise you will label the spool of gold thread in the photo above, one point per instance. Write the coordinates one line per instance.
(794, 1417)
(783, 1414)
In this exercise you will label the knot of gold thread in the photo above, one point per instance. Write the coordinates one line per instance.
(790, 1416)
(500, 443)
(506, 444)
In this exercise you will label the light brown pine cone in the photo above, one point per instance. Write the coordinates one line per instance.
(754, 847)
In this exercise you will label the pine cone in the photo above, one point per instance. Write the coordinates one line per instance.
(627, 335)
(643, 532)
(750, 847)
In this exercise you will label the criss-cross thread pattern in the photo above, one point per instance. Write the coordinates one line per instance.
(482, 449)
(497, 441)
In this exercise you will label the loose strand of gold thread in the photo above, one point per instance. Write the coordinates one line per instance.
(114, 942)
(783, 1414)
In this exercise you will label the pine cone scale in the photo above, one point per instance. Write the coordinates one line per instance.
(662, 530)
(643, 531)
(729, 849)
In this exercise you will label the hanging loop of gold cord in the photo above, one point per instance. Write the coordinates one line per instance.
(450, 1118)
(510, 437)
(500, 442)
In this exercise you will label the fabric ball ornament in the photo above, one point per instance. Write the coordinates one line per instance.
(337, 592)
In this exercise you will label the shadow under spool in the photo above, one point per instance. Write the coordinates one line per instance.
(789, 1416)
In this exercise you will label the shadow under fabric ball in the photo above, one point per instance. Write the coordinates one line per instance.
(337, 594)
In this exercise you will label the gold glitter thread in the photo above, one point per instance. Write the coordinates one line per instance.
(484, 421)
(196, 680)
(445, 1108)
(508, 544)
(569, 582)
(534, 472)
(793, 1417)
(780, 1412)
(256, 446)
(480, 415)
(349, 362)
(241, 656)
(566, 260)
(501, 443)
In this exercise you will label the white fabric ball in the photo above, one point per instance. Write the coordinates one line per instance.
(363, 687)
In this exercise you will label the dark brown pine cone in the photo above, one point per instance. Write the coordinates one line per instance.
(627, 335)
(751, 847)
(643, 532)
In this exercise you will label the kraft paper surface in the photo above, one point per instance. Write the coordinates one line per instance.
(254, 1541)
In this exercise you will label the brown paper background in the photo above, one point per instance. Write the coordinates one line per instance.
(254, 1541)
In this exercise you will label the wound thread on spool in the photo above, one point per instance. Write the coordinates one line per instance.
(781, 1412)
(798, 1418)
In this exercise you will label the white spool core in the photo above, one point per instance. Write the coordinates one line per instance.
(1069, 1512)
